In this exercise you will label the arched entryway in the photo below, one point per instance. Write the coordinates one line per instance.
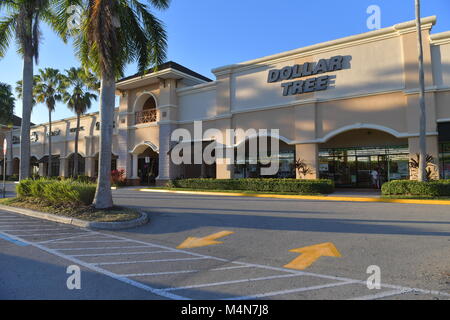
(147, 165)
(34, 166)
(16, 166)
(81, 164)
(113, 163)
(255, 159)
(351, 157)
(187, 167)
(145, 109)
(55, 165)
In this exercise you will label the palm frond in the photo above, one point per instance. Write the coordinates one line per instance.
(7, 30)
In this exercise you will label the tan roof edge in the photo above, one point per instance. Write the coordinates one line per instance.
(427, 23)
(440, 36)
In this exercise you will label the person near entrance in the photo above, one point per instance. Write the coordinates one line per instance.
(375, 178)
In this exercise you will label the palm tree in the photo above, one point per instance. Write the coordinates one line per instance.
(7, 103)
(113, 33)
(21, 22)
(78, 100)
(423, 117)
(48, 90)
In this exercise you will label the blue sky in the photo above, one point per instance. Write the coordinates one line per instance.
(205, 34)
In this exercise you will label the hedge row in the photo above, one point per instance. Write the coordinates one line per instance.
(65, 191)
(438, 188)
(254, 184)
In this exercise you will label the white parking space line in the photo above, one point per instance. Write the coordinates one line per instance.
(31, 224)
(230, 268)
(212, 284)
(79, 241)
(157, 273)
(383, 294)
(108, 273)
(281, 292)
(76, 236)
(32, 229)
(148, 261)
(423, 291)
(177, 272)
(168, 248)
(119, 253)
(101, 248)
(125, 244)
(46, 234)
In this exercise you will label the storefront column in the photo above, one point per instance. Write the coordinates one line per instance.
(9, 167)
(309, 153)
(224, 167)
(42, 172)
(64, 167)
(167, 169)
(432, 150)
(89, 169)
(134, 169)
(203, 170)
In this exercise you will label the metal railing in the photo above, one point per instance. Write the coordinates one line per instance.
(146, 116)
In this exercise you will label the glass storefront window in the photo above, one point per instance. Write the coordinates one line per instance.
(444, 160)
(251, 167)
(352, 167)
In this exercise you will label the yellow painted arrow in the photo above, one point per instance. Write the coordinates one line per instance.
(311, 253)
(192, 242)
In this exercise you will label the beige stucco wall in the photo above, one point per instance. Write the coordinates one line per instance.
(387, 110)
(377, 90)
(443, 105)
(441, 64)
(197, 104)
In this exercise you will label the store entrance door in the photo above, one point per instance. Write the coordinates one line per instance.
(353, 167)
(364, 168)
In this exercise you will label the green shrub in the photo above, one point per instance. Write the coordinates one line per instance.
(257, 184)
(37, 187)
(438, 188)
(85, 179)
(13, 177)
(58, 192)
(23, 189)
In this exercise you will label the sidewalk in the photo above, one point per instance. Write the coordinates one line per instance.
(339, 195)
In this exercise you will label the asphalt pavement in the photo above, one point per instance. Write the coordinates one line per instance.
(409, 243)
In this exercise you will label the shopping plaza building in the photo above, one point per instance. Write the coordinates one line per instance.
(345, 107)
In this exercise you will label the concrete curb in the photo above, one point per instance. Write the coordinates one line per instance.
(321, 198)
(143, 219)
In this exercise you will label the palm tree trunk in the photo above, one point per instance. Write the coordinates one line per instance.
(75, 156)
(27, 103)
(103, 196)
(422, 139)
(49, 165)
